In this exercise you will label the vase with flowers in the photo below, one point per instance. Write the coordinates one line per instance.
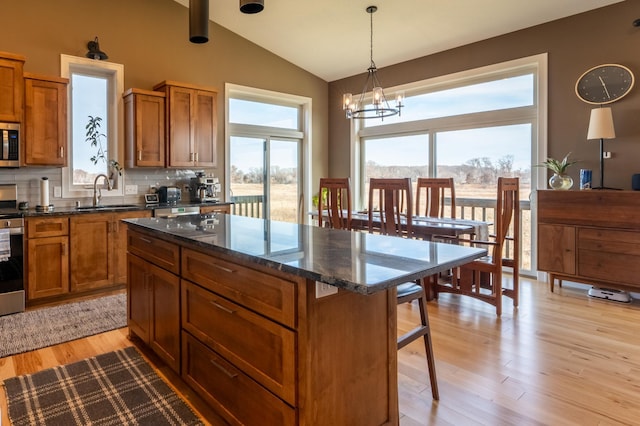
(560, 179)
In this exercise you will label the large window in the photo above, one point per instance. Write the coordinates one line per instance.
(473, 126)
(267, 134)
(95, 94)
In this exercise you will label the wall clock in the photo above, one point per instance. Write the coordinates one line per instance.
(604, 84)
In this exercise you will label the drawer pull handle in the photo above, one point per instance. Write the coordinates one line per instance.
(144, 240)
(228, 373)
(222, 268)
(219, 306)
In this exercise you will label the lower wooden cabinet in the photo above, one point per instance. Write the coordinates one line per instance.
(98, 249)
(154, 308)
(47, 257)
(216, 208)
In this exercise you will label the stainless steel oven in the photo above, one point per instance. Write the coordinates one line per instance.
(12, 291)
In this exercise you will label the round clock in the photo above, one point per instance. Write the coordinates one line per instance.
(604, 84)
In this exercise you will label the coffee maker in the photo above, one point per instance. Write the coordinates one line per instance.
(204, 189)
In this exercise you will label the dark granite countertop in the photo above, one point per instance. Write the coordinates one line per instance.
(355, 261)
(106, 208)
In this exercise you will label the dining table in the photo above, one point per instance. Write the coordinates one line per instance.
(427, 228)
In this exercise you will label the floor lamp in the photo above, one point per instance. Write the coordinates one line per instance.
(601, 127)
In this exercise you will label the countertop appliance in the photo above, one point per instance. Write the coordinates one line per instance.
(12, 291)
(169, 195)
(10, 148)
(176, 211)
(204, 189)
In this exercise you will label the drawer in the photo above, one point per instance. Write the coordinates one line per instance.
(257, 290)
(238, 398)
(261, 348)
(159, 252)
(611, 267)
(610, 241)
(39, 227)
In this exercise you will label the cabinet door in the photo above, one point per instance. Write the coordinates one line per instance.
(45, 122)
(205, 128)
(120, 243)
(557, 248)
(11, 89)
(138, 298)
(181, 115)
(91, 251)
(145, 129)
(165, 323)
(47, 262)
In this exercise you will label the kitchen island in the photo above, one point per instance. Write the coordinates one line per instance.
(273, 322)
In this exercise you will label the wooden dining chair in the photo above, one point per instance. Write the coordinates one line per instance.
(389, 198)
(334, 203)
(482, 278)
(435, 191)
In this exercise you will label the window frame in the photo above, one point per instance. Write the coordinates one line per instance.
(115, 145)
(303, 134)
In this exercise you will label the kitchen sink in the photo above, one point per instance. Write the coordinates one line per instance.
(109, 207)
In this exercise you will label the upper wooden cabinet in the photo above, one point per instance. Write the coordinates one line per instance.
(144, 128)
(45, 120)
(192, 124)
(11, 87)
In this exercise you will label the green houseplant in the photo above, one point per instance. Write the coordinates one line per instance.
(560, 179)
(96, 138)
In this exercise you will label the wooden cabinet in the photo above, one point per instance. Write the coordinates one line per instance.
(154, 301)
(591, 237)
(98, 249)
(11, 87)
(144, 128)
(192, 124)
(45, 121)
(47, 257)
(216, 208)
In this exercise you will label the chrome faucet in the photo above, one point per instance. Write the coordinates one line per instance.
(97, 193)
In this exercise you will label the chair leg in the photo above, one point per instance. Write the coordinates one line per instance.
(424, 317)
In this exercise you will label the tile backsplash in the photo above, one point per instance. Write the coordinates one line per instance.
(28, 182)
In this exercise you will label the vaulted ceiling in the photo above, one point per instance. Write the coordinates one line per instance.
(331, 38)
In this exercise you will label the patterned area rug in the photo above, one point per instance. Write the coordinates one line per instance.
(43, 327)
(115, 388)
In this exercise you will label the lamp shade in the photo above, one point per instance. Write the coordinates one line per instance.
(601, 124)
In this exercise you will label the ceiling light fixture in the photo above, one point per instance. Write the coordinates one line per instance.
(94, 51)
(198, 21)
(251, 6)
(379, 107)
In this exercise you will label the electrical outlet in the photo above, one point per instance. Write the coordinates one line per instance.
(130, 189)
(57, 191)
(323, 290)
(606, 154)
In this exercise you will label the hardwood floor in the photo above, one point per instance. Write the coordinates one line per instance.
(560, 359)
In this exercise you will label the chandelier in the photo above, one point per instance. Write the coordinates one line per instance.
(379, 107)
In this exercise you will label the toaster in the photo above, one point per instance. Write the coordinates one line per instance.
(169, 194)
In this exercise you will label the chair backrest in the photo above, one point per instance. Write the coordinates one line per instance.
(435, 190)
(334, 203)
(507, 208)
(391, 218)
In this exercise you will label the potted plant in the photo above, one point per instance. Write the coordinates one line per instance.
(94, 137)
(560, 179)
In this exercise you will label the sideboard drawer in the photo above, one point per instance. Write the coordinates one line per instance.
(261, 348)
(240, 398)
(259, 291)
(606, 253)
(159, 252)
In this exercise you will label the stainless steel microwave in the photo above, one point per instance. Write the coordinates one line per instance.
(10, 149)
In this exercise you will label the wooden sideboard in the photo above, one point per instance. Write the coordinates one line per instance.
(591, 237)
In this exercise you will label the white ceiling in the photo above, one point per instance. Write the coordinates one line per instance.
(330, 38)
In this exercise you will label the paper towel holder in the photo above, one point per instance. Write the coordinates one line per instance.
(44, 205)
